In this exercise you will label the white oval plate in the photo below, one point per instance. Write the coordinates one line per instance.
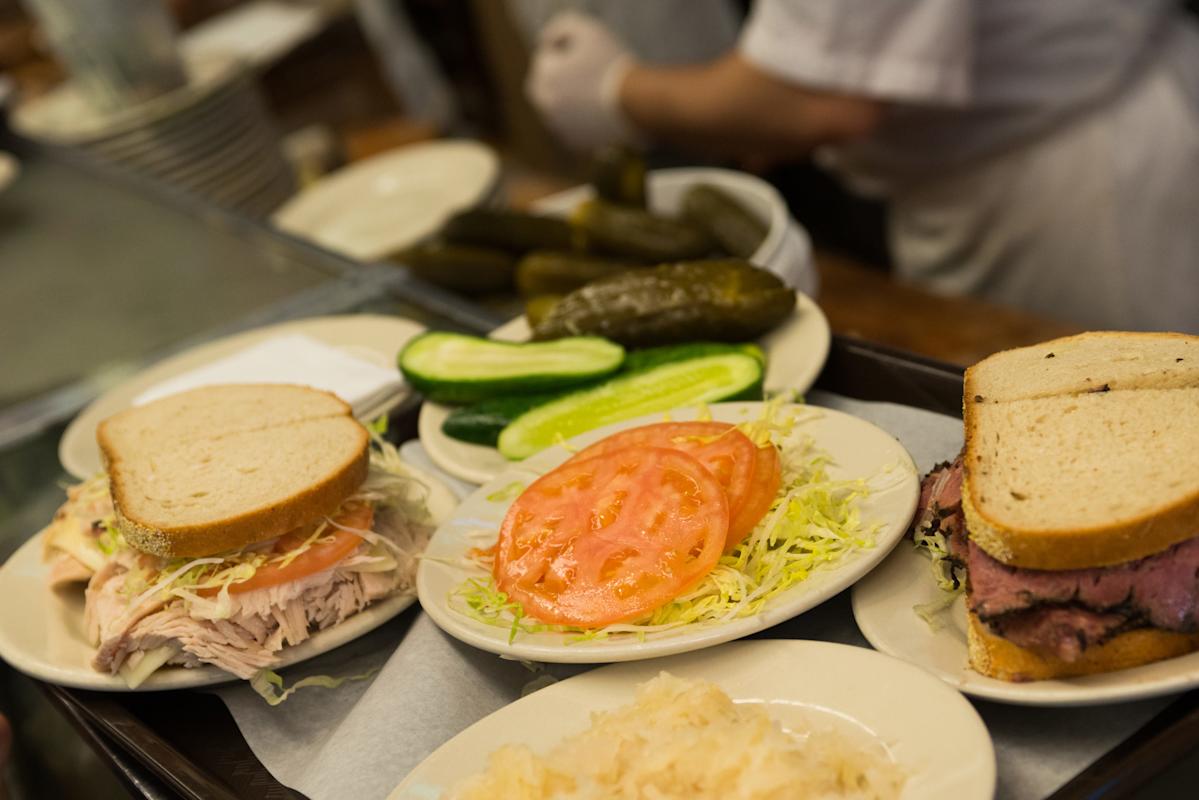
(371, 337)
(931, 731)
(378, 206)
(46, 640)
(795, 354)
(858, 450)
(882, 606)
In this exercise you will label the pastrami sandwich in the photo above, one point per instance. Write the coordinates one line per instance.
(1072, 513)
(233, 522)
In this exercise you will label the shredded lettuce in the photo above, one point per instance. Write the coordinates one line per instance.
(269, 684)
(164, 584)
(390, 483)
(935, 545)
(142, 665)
(509, 492)
(814, 523)
(560, 440)
(203, 587)
(111, 540)
(376, 559)
(931, 612)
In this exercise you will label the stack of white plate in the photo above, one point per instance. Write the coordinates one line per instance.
(214, 137)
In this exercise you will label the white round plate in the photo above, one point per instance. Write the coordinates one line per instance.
(47, 638)
(882, 606)
(64, 115)
(931, 731)
(858, 450)
(380, 205)
(371, 337)
(795, 353)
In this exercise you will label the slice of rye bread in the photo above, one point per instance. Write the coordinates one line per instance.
(996, 657)
(221, 467)
(1088, 362)
(1061, 477)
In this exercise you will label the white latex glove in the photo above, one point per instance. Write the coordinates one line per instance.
(574, 81)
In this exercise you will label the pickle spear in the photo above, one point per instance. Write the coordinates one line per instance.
(513, 231)
(633, 233)
(738, 229)
(619, 177)
(550, 272)
(538, 306)
(463, 268)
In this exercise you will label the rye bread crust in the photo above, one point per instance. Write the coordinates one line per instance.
(1098, 546)
(973, 390)
(254, 525)
(996, 657)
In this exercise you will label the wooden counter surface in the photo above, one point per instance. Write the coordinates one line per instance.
(868, 304)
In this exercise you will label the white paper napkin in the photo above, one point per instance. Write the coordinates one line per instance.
(292, 358)
(360, 740)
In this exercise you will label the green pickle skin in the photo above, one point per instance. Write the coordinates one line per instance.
(551, 272)
(738, 230)
(463, 268)
(633, 233)
(619, 177)
(513, 231)
(727, 300)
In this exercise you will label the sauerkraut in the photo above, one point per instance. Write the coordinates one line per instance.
(688, 739)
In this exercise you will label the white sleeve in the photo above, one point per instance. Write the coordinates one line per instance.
(906, 50)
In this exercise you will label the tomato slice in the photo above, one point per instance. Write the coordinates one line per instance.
(768, 477)
(611, 537)
(725, 451)
(320, 556)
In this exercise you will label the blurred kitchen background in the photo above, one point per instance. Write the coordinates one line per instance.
(233, 111)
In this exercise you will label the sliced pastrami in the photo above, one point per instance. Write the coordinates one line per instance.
(1064, 632)
(1162, 589)
(939, 508)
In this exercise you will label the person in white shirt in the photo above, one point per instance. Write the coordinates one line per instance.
(1043, 155)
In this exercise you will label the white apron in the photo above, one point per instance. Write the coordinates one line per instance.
(1096, 222)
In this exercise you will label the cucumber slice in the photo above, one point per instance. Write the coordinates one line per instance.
(455, 368)
(637, 360)
(483, 422)
(707, 379)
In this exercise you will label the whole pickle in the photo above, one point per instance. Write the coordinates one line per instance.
(726, 300)
(538, 308)
(551, 272)
(513, 231)
(739, 230)
(633, 233)
(619, 176)
(462, 268)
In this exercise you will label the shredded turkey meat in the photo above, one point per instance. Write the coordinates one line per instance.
(135, 605)
(261, 623)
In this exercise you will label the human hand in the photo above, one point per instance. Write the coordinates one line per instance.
(574, 81)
